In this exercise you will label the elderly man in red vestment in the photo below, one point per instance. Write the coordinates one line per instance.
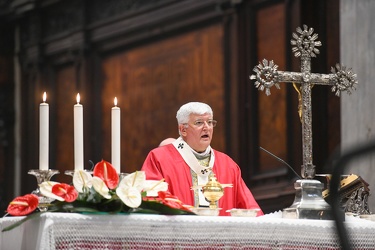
(189, 162)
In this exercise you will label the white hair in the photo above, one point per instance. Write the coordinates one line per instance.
(189, 108)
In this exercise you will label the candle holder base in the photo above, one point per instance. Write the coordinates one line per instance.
(71, 172)
(42, 176)
(308, 202)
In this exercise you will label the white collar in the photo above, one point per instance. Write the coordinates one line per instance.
(187, 154)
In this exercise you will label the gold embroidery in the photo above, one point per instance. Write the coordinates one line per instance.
(205, 161)
(194, 178)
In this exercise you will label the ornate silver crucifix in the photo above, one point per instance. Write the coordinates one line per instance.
(341, 79)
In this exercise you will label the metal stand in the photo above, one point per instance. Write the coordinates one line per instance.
(308, 202)
(42, 176)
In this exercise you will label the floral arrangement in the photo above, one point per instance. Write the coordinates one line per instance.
(103, 191)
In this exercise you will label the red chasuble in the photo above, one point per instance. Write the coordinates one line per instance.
(166, 162)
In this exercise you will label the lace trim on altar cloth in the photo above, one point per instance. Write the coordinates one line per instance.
(147, 231)
(177, 232)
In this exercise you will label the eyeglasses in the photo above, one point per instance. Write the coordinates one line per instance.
(200, 123)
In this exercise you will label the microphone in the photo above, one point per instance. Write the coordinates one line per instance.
(281, 160)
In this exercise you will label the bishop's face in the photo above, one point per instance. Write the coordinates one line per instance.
(198, 131)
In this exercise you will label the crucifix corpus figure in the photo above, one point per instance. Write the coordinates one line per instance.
(341, 79)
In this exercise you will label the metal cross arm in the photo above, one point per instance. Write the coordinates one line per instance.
(340, 79)
(312, 78)
(267, 75)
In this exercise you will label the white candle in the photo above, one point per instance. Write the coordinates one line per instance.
(43, 133)
(116, 137)
(78, 135)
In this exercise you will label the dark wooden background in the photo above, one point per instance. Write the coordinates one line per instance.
(155, 56)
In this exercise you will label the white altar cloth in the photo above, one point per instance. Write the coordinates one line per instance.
(145, 231)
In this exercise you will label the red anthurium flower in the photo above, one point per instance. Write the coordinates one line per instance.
(23, 205)
(147, 198)
(65, 191)
(105, 171)
(170, 200)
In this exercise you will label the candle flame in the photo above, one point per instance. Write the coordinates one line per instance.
(78, 98)
(115, 101)
(44, 97)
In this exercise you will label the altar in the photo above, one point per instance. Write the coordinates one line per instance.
(146, 231)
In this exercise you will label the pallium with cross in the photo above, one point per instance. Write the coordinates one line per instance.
(340, 79)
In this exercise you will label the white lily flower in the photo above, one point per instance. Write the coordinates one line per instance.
(153, 187)
(130, 188)
(81, 180)
(100, 187)
(131, 196)
(45, 189)
(135, 180)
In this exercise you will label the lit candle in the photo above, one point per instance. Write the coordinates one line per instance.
(116, 137)
(78, 135)
(43, 133)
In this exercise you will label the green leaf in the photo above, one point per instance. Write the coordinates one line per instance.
(163, 209)
(143, 211)
(83, 210)
(93, 196)
(16, 224)
(112, 206)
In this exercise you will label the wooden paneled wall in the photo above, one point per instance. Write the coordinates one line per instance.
(7, 116)
(62, 111)
(272, 109)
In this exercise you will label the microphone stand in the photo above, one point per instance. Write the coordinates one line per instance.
(282, 161)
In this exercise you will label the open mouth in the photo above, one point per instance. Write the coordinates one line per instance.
(205, 136)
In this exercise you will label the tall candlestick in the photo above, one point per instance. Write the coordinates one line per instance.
(116, 137)
(78, 135)
(43, 133)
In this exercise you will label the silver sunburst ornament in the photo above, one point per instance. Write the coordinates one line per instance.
(305, 43)
(345, 80)
(266, 76)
